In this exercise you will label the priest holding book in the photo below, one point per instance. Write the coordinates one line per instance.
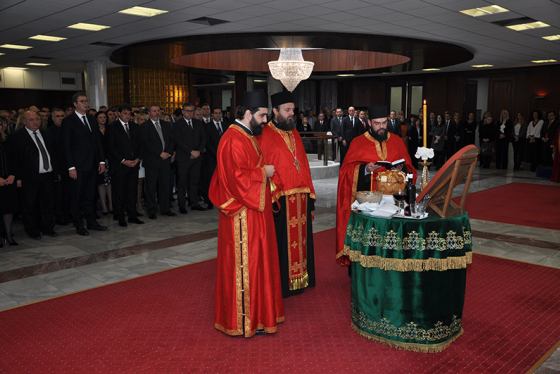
(359, 170)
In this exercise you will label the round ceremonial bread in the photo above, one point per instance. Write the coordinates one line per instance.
(388, 182)
(369, 197)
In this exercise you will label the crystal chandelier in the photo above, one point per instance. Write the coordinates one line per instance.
(291, 68)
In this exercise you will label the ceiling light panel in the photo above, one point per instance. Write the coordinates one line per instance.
(484, 11)
(37, 64)
(15, 46)
(143, 12)
(552, 37)
(528, 26)
(88, 27)
(482, 66)
(543, 61)
(47, 38)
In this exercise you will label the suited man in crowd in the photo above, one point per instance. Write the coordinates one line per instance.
(392, 125)
(450, 132)
(548, 132)
(336, 127)
(158, 145)
(85, 159)
(190, 140)
(322, 124)
(61, 193)
(124, 148)
(348, 131)
(363, 126)
(214, 131)
(36, 172)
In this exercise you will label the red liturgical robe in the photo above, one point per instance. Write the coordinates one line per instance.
(292, 179)
(363, 150)
(248, 289)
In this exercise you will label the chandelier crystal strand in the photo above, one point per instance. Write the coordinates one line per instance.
(291, 68)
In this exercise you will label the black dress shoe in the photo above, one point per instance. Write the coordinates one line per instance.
(52, 233)
(139, 214)
(97, 227)
(260, 332)
(170, 214)
(82, 231)
(135, 220)
(105, 213)
(97, 216)
(152, 216)
(35, 236)
(198, 207)
(62, 222)
(210, 206)
(122, 223)
(183, 210)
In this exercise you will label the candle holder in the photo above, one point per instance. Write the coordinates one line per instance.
(424, 154)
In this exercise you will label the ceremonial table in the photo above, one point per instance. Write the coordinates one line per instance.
(408, 279)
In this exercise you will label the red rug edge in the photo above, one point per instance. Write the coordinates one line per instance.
(544, 358)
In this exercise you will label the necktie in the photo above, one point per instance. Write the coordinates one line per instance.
(352, 122)
(219, 126)
(340, 120)
(85, 123)
(364, 124)
(43, 151)
(190, 124)
(158, 129)
(127, 132)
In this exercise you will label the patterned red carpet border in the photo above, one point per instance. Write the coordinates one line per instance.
(164, 323)
(525, 204)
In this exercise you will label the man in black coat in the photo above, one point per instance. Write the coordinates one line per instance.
(36, 172)
(450, 132)
(85, 158)
(214, 131)
(61, 193)
(190, 140)
(548, 132)
(349, 131)
(124, 149)
(158, 145)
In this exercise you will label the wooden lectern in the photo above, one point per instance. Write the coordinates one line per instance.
(458, 168)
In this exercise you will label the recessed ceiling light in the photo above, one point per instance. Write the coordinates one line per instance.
(528, 26)
(484, 11)
(260, 81)
(15, 46)
(230, 82)
(37, 64)
(388, 72)
(47, 38)
(543, 61)
(346, 75)
(431, 69)
(15, 68)
(143, 12)
(88, 27)
(551, 37)
(2, 54)
(482, 66)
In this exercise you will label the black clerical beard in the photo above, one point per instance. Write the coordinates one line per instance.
(377, 136)
(287, 124)
(256, 127)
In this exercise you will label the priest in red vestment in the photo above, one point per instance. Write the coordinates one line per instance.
(358, 169)
(556, 154)
(248, 291)
(293, 194)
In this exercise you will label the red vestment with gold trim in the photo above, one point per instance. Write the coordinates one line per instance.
(248, 290)
(291, 180)
(363, 150)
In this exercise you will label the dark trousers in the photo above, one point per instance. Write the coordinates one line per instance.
(37, 204)
(439, 158)
(206, 173)
(62, 199)
(547, 152)
(502, 146)
(517, 153)
(189, 175)
(156, 183)
(82, 195)
(124, 186)
(534, 150)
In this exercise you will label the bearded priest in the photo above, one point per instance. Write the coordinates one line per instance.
(293, 195)
(248, 291)
(359, 169)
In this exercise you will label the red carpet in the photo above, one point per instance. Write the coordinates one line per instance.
(164, 323)
(517, 203)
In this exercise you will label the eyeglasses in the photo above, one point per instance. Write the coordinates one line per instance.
(83, 101)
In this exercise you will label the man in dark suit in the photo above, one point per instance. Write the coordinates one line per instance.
(362, 123)
(548, 132)
(37, 170)
(214, 131)
(349, 131)
(336, 129)
(158, 145)
(322, 124)
(190, 140)
(124, 149)
(392, 125)
(450, 131)
(61, 193)
(85, 159)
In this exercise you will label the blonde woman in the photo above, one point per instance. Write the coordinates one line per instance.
(502, 140)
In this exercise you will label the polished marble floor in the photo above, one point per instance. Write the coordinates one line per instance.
(50, 267)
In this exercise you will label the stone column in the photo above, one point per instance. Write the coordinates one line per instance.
(96, 83)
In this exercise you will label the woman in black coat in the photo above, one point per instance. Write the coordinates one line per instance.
(438, 142)
(8, 189)
(469, 132)
(487, 136)
(502, 140)
(518, 135)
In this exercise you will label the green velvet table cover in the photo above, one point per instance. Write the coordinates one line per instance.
(408, 279)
